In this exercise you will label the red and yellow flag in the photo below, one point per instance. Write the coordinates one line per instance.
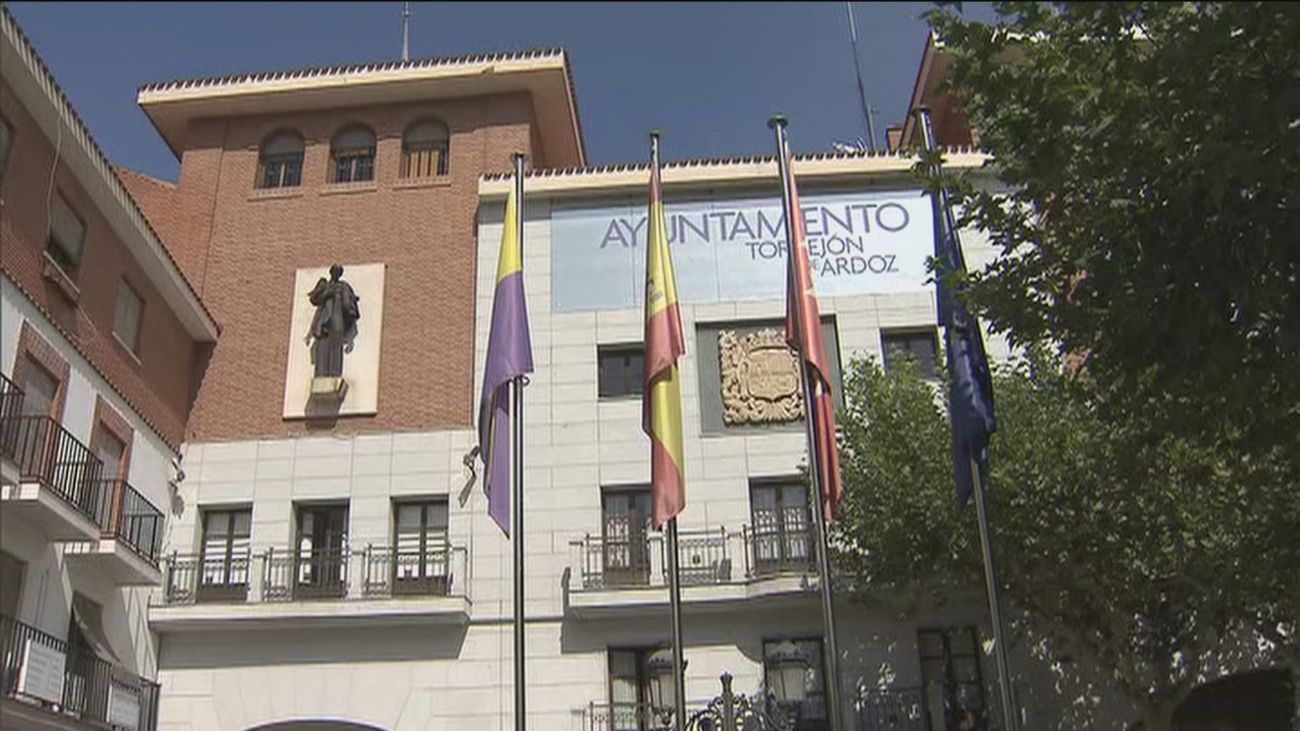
(661, 407)
(803, 333)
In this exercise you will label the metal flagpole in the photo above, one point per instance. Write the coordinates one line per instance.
(814, 472)
(675, 603)
(518, 493)
(1012, 722)
(1011, 718)
(674, 586)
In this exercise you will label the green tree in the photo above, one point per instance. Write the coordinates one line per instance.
(1148, 212)
(1108, 540)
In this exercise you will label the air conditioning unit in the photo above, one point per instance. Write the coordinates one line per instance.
(41, 675)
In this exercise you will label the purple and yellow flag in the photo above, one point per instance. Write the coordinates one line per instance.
(662, 405)
(509, 356)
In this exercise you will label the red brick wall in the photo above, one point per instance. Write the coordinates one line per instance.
(243, 246)
(160, 202)
(158, 385)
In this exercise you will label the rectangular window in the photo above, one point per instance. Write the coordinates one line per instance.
(951, 677)
(6, 141)
(67, 236)
(40, 389)
(421, 553)
(625, 535)
(922, 346)
(320, 565)
(621, 370)
(782, 537)
(127, 317)
(224, 558)
(793, 672)
(280, 171)
(629, 690)
(352, 166)
(111, 451)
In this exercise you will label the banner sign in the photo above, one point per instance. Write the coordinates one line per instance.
(729, 249)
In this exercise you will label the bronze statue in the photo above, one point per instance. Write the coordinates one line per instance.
(334, 326)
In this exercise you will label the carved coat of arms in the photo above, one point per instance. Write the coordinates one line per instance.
(760, 378)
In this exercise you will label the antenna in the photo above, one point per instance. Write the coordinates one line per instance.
(857, 69)
(406, 31)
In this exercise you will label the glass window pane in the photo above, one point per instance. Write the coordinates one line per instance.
(216, 524)
(39, 389)
(66, 230)
(409, 517)
(438, 515)
(243, 521)
(126, 320)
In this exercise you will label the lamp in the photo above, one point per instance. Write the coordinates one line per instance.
(659, 678)
(787, 672)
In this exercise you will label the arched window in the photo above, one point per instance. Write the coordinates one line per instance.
(279, 164)
(425, 147)
(352, 155)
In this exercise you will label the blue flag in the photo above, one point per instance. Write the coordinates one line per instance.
(970, 385)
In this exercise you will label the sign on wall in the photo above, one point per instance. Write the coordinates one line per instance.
(727, 249)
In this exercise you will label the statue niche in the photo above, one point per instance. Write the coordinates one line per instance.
(333, 331)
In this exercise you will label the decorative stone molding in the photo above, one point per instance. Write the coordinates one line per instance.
(760, 378)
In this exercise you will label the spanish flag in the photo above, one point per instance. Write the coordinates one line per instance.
(662, 400)
(803, 333)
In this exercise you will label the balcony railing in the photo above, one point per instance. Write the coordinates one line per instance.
(48, 454)
(132, 519)
(11, 406)
(93, 690)
(284, 575)
(892, 709)
(190, 578)
(623, 717)
(705, 557)
(406, 572)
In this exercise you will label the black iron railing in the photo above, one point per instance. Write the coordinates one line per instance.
(48, 454)
(305, 574)
(408, 572)
(702, 557)
(190, 578)
(93, 690)
(609, 562)
(624, 717)
(892, 709)
(780, 543)
(11, 406)
(133, 520)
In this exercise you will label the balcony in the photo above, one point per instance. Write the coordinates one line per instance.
(41, 685)
(127, 551)
(628, 573)
(375, 586)
(622, 717)
(59, 480)
(891, 709)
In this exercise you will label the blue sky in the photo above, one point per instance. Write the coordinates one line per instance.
(708, 75)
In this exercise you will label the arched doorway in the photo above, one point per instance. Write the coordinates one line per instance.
(315, 725)
(1254, 701)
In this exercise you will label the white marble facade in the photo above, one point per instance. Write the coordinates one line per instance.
(408, 672)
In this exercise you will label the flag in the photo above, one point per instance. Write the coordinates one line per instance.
(661, 407)
(803, 333)
(509, 355)
(970, 385)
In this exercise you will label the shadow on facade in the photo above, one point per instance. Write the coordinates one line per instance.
(305, 646)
